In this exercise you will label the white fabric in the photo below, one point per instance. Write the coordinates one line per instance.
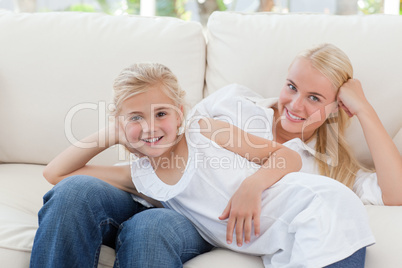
(255, 50)
(244, 108)
(306, 220)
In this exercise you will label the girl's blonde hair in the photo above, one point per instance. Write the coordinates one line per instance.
(333, 156)
(140, 77)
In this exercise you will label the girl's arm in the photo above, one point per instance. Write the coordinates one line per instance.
(386, 157)
(73, 161)
(245, 205)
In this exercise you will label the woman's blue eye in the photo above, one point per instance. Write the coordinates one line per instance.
(314, 98)
(136, 118)
(292, 87)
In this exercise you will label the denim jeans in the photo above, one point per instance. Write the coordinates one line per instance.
(81, 213)
(356, 260)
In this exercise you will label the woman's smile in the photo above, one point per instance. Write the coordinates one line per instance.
(293, 117)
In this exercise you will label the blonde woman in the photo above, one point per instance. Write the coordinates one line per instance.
(311, 115)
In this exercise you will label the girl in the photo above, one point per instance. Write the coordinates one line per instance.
(302, 220)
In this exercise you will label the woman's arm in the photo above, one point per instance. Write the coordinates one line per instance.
(386, 157)
(245, 205)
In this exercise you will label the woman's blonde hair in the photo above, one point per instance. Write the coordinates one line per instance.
(140, 77)
(333, 155)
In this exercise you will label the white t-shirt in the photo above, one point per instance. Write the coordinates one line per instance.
(247, 110)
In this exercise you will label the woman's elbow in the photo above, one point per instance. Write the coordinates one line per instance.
(293, 160)
(298, 161)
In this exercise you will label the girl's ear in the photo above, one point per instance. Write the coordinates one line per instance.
(180, 115)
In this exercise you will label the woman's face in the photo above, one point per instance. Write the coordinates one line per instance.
(306, 100)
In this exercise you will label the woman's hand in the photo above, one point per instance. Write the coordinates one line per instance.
(243, 210)
(351, 98)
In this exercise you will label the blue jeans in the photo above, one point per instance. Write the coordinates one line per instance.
(81, 213)
(356, 260)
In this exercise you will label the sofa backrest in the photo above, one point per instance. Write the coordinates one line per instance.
(57, 71)
(255, 50)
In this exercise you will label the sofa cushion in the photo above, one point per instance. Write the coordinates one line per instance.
(385, 222)
(21, 189)
(57, 72)
(255, 50)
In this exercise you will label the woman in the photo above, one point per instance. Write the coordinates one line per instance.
(318, 98)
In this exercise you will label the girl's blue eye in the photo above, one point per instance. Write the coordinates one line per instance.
(314, 98)
(136, 118)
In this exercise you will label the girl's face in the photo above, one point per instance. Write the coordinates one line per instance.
(150, 122)
(306, 100)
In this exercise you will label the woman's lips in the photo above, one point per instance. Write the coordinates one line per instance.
(292, 117)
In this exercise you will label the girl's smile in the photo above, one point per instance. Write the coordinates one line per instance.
(152, 140)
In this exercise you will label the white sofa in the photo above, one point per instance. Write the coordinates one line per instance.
(56, 75)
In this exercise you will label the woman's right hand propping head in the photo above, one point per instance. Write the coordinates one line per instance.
(351, 97)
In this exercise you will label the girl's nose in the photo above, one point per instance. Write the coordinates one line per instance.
(148, 126)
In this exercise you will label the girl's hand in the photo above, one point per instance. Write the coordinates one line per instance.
(117, 133)
(351, 97)
(243, 209)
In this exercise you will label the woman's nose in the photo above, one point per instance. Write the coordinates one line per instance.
(297, 103)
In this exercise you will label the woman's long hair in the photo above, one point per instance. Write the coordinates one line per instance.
(333, 156)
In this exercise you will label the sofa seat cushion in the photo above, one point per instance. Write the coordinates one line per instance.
(21, 189)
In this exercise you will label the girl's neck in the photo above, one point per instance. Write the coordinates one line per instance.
(170, 167)
(173, 157)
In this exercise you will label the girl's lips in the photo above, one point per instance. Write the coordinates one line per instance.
(293, 118)
(152, 141)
